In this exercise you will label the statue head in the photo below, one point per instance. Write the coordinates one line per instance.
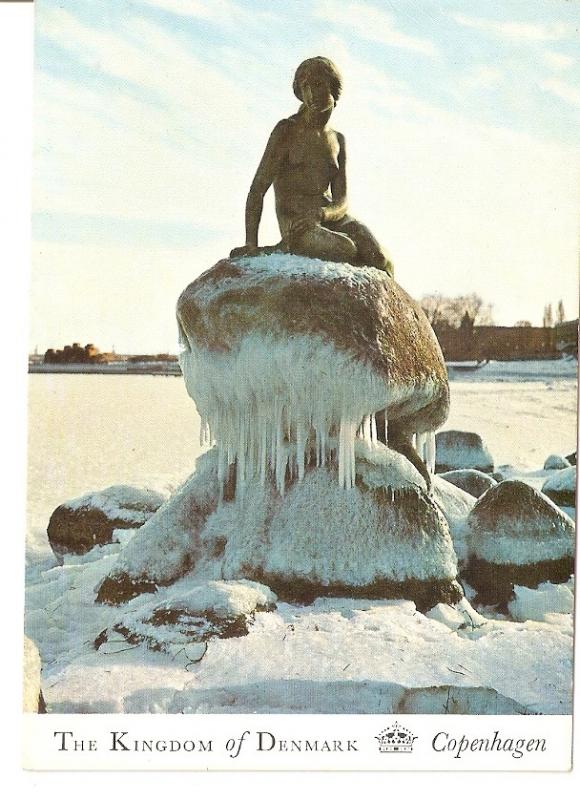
(322, 80)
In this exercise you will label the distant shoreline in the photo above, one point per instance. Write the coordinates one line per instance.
(113, 368)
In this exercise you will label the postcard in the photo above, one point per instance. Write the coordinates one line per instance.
(302, 424)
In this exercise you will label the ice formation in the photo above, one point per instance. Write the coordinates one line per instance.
(276, 406)
(280, 388)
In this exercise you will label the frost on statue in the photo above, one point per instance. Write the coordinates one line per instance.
(320, 386)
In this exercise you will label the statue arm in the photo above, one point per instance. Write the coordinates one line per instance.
(338, 208)
(263, 179)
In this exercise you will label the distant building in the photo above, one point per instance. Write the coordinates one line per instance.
(498, 343)
(566, 337)
(73, 354)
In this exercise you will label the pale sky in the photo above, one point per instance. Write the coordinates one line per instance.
(461, 121)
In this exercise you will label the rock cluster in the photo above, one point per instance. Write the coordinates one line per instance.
(78, 525)
(462, 450)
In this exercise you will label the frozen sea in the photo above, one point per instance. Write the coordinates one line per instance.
(87, 432)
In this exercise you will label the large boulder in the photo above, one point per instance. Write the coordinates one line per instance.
(374, 541)
(190, 612)
(299, 370)
(385, 537)
(517, 536)
(281, 346)
(78, 525)
(462, 450)
(555, 461)
(561, 487)
(455, 505)
(471, 481)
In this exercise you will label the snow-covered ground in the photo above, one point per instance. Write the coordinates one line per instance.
(337, 655)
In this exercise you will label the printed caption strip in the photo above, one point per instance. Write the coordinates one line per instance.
(300, 742)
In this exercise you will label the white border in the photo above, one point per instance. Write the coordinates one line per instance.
(15, 102)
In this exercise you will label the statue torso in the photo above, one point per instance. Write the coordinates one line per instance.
(308, 166)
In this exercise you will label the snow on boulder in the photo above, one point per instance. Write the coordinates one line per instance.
(471, 481)
(167, 546)
(546, 599)
(33, 701)
(282, 348)
(80, 524)
(462, 450)
(188, 613)
(517, 536)
(455, 504)
(293, 364)
(561, 487)
(374, 540)
(292, 696)
(556, 462)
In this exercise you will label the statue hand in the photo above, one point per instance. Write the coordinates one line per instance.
(245, 250)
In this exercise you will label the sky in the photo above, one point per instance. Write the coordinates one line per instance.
(151, 116)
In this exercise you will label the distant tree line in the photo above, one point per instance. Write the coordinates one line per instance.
(455, 312)
(470, 310)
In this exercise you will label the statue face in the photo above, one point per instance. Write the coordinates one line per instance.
(316, 94)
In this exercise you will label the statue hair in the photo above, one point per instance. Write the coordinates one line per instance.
(326, 67)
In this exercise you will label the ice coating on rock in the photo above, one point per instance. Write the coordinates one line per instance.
(289, 360)
(260, 405)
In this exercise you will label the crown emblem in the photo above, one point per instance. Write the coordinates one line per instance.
(395, 739)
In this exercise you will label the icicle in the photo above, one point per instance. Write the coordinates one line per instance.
(374, 436)
(263, 451)
(242, 452)
(431, 452)
(366, 425)
(351, 457)
(280, 469)
(300, 447)
(386, 428)
(341, 453)
(420, 445)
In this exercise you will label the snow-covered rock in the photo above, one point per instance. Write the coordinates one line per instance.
(281, 348)
(462, 450)
(345, 653)
(189, 612)
(33, 701)
(556, 461)
(561, 487)
(292, 363)
(293, 696)
(456, 617)
(455, 504)
(546, 599)
(384, 537)
(470, 480)
(167, 546)
(517, 536)
(369, 541)
(80, 524)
